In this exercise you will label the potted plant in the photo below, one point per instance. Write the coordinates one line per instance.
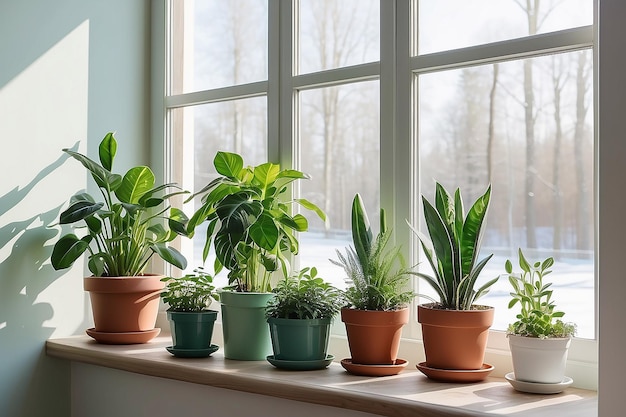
(120, 234)
(299, 318)
(454, 327)
(378, 296)
(191, 322)
(250, 225)
(539, 340)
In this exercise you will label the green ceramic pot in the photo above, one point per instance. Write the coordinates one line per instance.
(246, 333)
(192, 330)
(299, 339)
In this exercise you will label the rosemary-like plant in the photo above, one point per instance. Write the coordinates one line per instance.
(379, 279)
(537, 317)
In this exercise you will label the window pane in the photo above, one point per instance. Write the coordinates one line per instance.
(336, 34)
(218, 43)
(198, 132)
(526, 127)
(469, 23)
(339, 137)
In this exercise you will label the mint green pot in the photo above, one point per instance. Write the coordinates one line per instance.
(299, 339)
(192, 330)
(246, 333)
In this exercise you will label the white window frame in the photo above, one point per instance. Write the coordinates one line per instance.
(394, 71)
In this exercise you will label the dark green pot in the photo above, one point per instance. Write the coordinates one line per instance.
(246, 333)
(299, 339)
(192, 330)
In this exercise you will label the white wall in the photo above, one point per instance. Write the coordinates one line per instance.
(164, 398)
(70, 70)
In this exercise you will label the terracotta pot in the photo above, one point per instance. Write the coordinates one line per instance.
(124, 304)
(455, 339)
(539, 360)
(374, 336)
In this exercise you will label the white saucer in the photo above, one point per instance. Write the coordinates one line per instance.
(537, 387)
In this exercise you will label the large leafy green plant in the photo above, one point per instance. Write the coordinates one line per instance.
(537, 317)
(378, 277)
(249, 220)
(123, 231)
(453, 246)
(305, 295)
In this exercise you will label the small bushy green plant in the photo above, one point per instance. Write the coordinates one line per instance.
(379, 280)
(305, 295)
(537, 317)
(190, 293)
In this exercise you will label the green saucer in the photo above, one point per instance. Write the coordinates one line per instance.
(301, 365)
(192, 353)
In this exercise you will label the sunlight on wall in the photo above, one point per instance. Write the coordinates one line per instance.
(47, 103)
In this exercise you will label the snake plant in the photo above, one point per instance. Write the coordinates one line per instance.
(452, 247)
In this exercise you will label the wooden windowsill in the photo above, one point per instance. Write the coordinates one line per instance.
(408, 394)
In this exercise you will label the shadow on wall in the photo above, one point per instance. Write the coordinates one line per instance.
(25, 272)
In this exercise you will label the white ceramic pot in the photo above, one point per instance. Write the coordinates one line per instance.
(539, 360)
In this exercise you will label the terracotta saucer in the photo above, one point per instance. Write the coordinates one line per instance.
(374, 370)
(454, 375)
(124, 338)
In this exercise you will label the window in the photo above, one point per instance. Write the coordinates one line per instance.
(383, 98)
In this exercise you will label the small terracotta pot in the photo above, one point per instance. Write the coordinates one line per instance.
(455, 339)
(124, 304)
(374, 336)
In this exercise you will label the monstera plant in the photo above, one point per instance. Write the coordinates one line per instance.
(248, 210)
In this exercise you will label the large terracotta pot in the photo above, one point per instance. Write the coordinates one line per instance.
(374, 336)
(124, 305)
(455, 339)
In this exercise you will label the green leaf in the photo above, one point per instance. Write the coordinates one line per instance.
(266, 174)
(301, 222)
(136, 183)
(228, 164)
(473, 231)
(169, 255)
(96, 265)
(178, 221)
(94, 225)
(264, 232)
(294, 174)
(445, 206)
(79, 211)
(102, 177)
(311, 206)
(67, 250)
(361, 231)
(443, 245)
(107, 151)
